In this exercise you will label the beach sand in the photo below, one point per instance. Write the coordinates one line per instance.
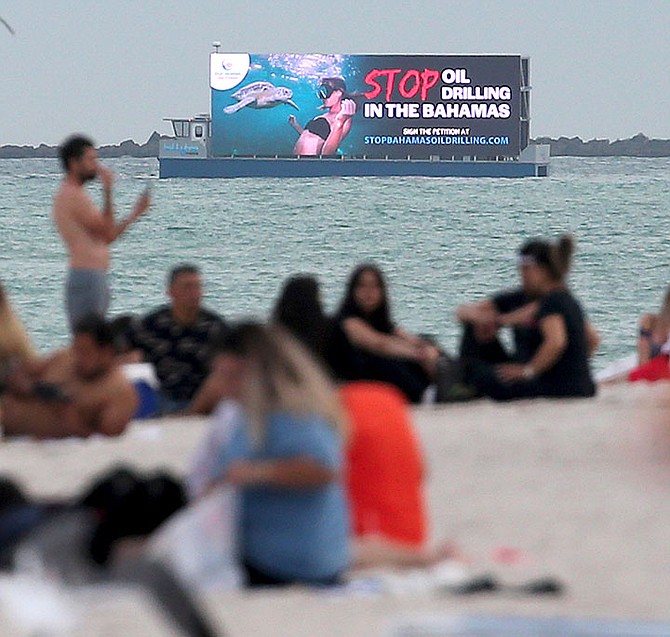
(576, 489)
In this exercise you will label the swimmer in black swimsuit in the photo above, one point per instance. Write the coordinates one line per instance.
(319, 126)
(323, 134)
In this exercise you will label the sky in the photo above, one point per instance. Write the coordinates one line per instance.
(114, 70)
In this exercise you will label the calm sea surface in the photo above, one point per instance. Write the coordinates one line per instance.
(440, 241)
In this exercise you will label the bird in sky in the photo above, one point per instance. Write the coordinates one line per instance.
(7, 25)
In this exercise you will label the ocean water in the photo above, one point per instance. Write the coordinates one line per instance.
(441, 242)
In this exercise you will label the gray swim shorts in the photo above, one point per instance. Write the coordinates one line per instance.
(86, 292)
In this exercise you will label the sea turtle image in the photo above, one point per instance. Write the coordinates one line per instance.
(261, 95)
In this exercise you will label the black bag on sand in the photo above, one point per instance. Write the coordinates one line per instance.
(129, 505)
(75, 544)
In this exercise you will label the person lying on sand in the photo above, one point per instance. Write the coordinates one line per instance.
(77, 391)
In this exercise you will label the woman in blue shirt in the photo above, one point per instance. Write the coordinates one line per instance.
(285, 456)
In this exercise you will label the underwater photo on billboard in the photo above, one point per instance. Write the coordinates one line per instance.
(395, 106)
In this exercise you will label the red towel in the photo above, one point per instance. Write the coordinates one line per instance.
(658, 368)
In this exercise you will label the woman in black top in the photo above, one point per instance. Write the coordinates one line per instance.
(368, 345)
(559, 365)
(299, 310)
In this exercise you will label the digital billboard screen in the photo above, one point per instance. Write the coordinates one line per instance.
(395, 106)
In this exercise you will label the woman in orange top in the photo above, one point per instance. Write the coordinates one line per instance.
(384, 477)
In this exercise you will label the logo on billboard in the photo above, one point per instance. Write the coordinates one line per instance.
(227, 70)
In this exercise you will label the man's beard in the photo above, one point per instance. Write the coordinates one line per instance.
(88, 176)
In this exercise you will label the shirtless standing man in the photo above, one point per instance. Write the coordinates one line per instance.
(77, 391)
(87, 231)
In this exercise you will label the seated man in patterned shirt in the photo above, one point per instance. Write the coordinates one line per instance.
(177, 338)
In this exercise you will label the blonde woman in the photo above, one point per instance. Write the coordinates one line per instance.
(285, 455)
(15, 345)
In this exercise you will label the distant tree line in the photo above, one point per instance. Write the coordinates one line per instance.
(638, 146)
(128, 148)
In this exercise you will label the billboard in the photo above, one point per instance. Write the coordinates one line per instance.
(394, 106)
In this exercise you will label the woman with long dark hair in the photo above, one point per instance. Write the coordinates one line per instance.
(368, 345)
(299, 310)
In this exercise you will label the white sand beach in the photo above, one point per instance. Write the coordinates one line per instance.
(576, 489)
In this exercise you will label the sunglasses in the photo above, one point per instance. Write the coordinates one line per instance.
(325, 91)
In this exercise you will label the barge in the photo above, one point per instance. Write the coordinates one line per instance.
(300, 115)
